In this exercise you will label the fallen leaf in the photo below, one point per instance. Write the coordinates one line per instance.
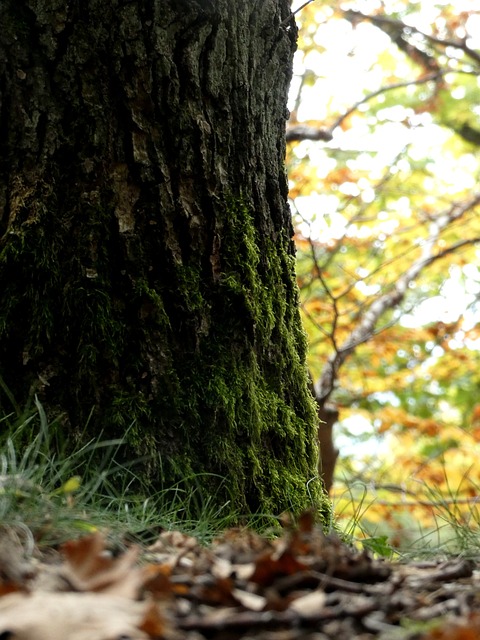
(456, 630)
(153, 624)
(308, 605)
(249, 600)
(271, 566)
(90, 567)
(72, 616)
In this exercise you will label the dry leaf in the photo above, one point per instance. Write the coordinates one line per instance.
(89, 567)
(271, 566)
(222, 568)
(153, 624)
(249, 600)
(73, 616)
(457, 630)
(308, 605)
(156, 579)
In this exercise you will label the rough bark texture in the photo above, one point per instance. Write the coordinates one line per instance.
(146, 261)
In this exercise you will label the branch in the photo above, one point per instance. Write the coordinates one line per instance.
(365, 329)
(399, 33)
(287, 20)
(391, 26)
(306, 132)
(415, 499)
(428, 503)
(397, 85)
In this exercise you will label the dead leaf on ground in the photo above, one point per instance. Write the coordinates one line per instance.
(76, 616)
(308, 605)
(304, 585)
(90, 567)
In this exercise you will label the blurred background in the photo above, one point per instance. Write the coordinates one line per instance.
(383, 158)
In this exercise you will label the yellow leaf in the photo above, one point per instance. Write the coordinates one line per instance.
(71, 485)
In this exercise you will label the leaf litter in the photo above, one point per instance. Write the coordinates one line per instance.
(304, 584)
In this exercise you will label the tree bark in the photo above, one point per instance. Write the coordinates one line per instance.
(147, 283)
(328, 415)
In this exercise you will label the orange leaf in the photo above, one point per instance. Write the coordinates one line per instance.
(269, 567)
(152, 624)
(91, 568)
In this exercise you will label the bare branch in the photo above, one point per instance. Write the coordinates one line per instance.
(305, 132)
(287, 20)
(432, 77)
(399, 33)
(389, 25)
(366, 327)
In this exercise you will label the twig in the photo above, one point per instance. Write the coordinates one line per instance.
(364, 330)
(397, 85)
(287, 20)
(407, 30)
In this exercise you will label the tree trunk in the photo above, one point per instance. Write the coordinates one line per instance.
(147, 282)
(328, 415)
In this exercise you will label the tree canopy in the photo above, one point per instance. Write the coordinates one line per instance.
(384, 162)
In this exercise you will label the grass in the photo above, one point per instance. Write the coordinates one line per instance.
(432, 523)
(48, 496)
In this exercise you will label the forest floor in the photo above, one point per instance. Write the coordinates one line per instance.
(300, 585)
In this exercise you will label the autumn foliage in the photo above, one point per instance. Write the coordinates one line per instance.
(386, 204)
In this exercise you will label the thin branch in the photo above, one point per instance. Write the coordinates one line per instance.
(299, 132)
(364, 330)
(453, 248)
(287, 20)
(428, 503)
(305, 132)
(411, 498)
(397, 85)
(407, 30)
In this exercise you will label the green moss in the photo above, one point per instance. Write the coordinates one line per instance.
(256, 385)
(156, 309)
(230, 399)
(190, 288)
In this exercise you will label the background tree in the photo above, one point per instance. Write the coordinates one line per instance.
(384, 166)
(146, 256)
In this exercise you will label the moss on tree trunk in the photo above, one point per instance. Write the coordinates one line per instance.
(146, 260)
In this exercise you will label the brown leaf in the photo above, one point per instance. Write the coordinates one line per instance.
(10, 587)
(153, 624)
(89, 567)
(215, 591)
(457, 630)
(156, 579)
(306, 521)
(271, 566)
